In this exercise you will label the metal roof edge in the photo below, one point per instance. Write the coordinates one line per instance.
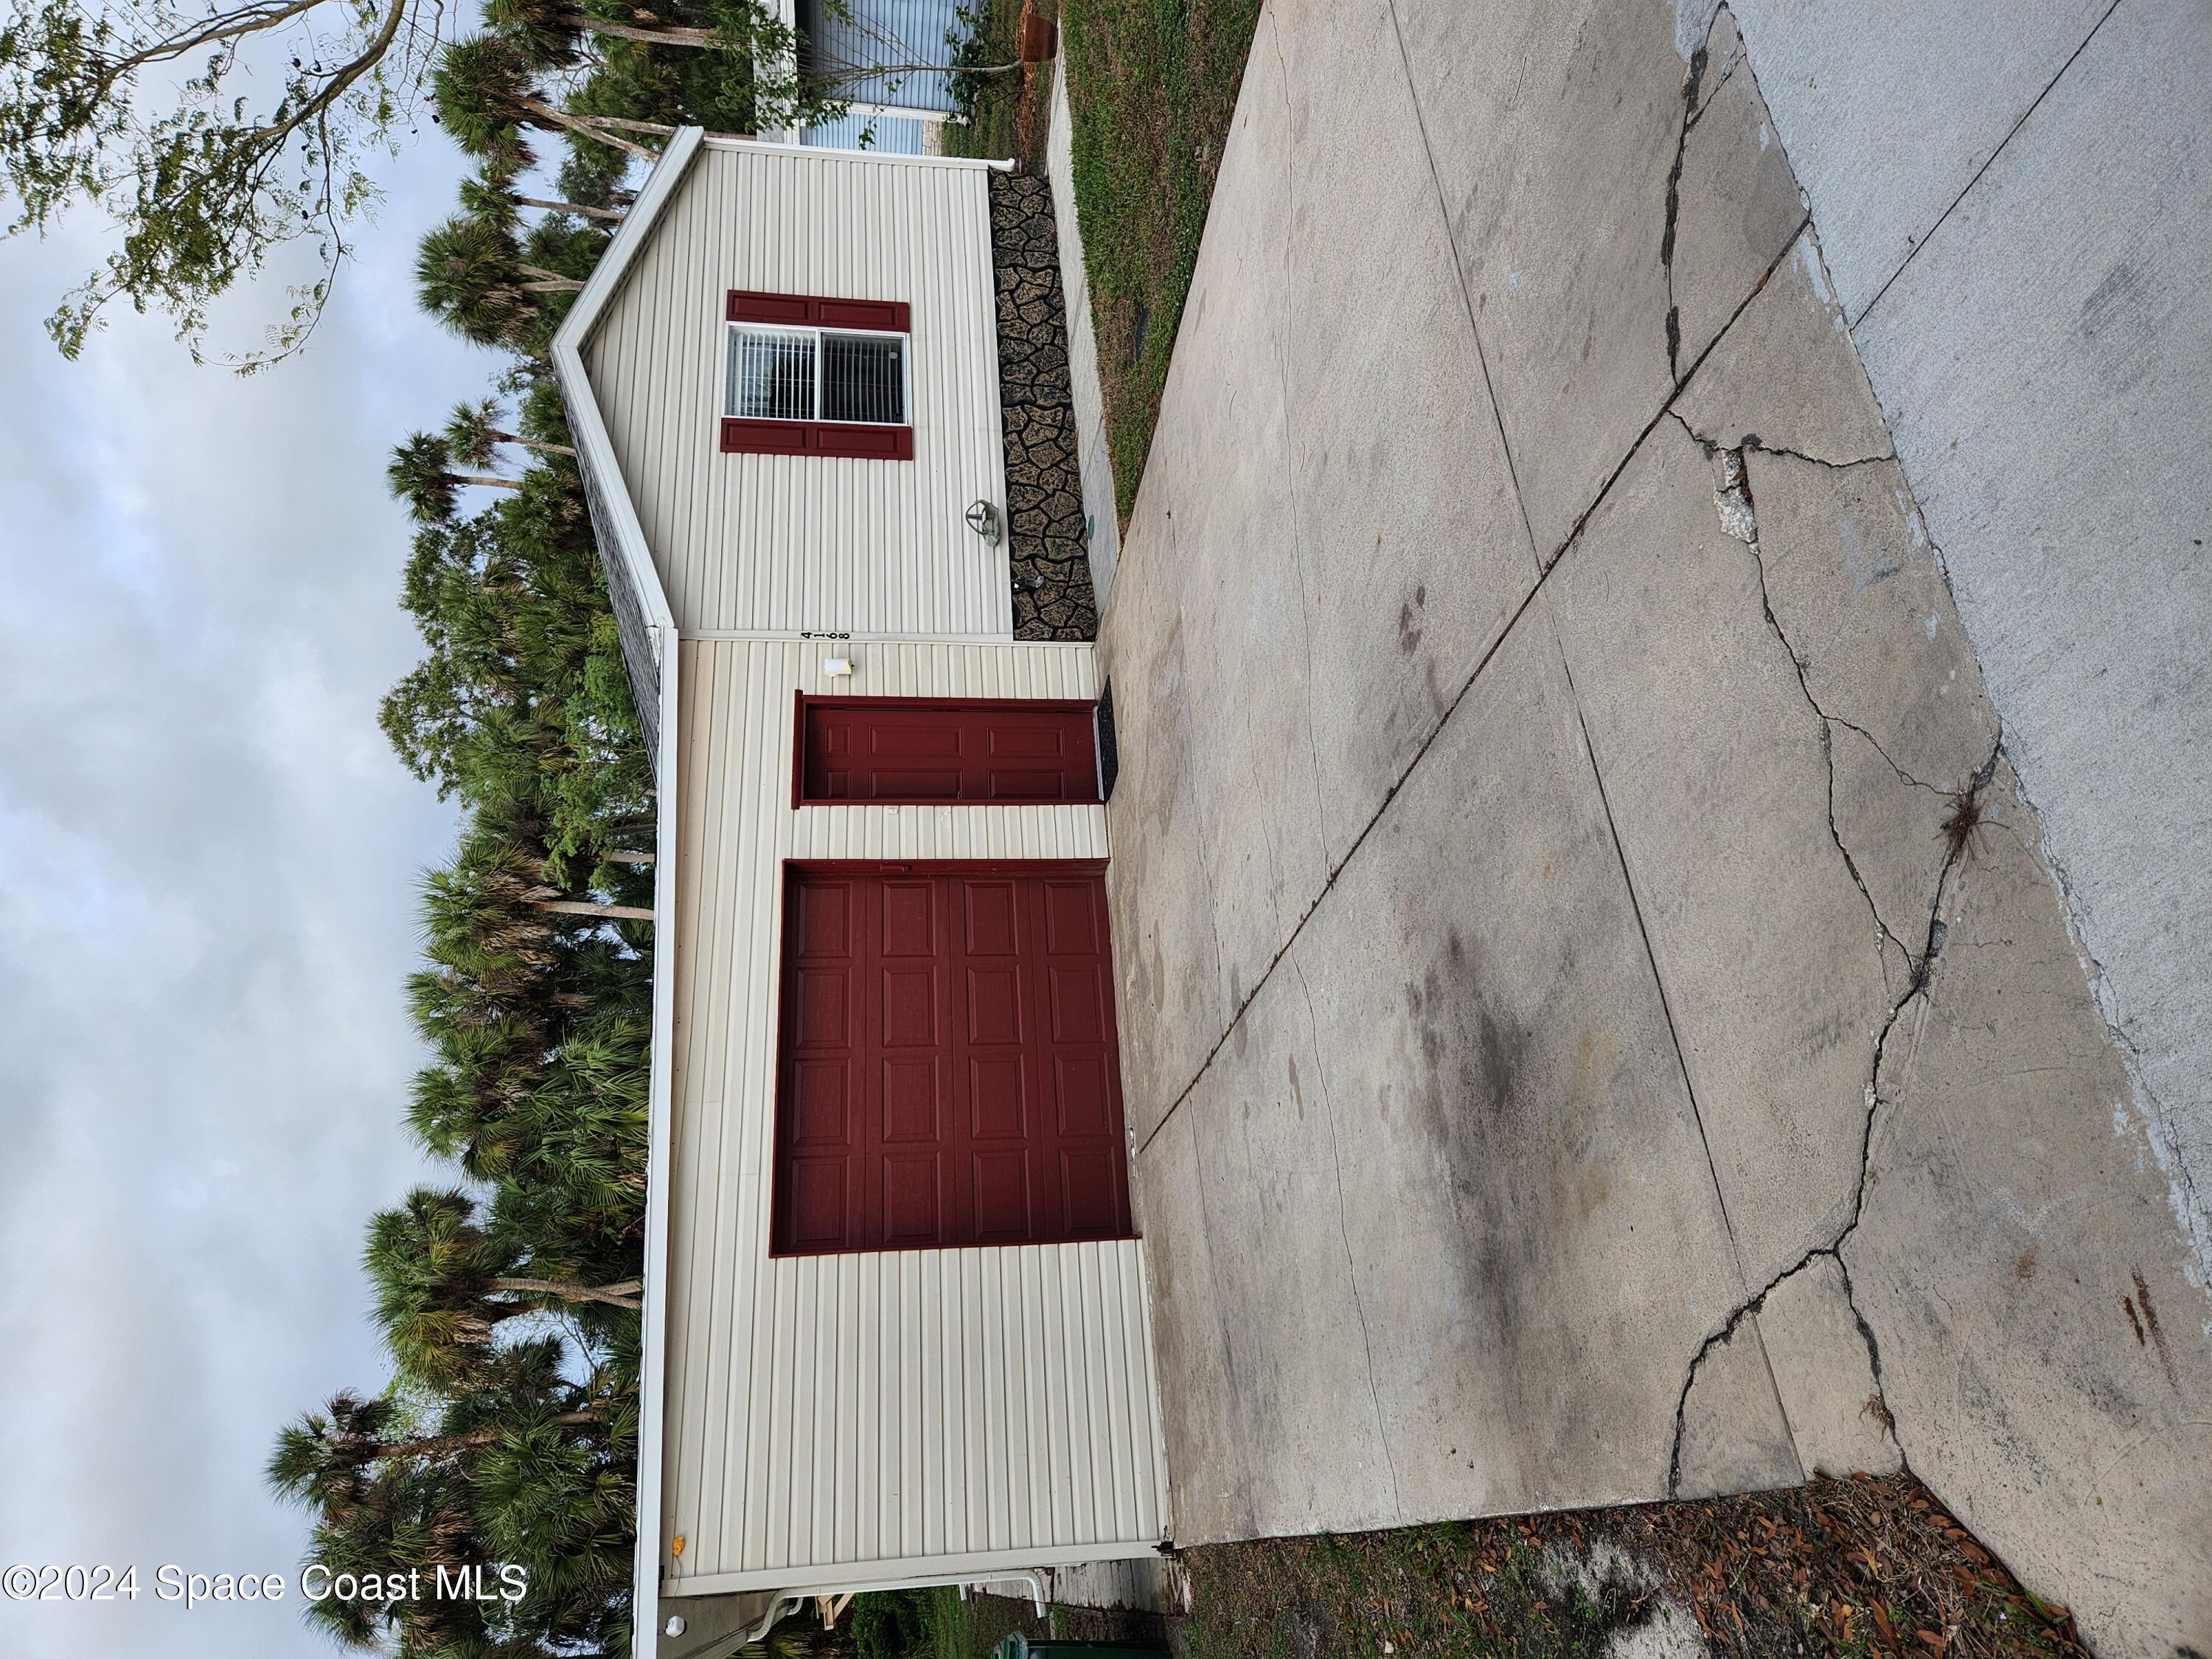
(645, 1572)
(594, 448)
(914, 1572)
(824, 153)
(595, 455)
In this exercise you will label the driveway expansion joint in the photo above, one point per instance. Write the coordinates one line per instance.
(1350, 1263)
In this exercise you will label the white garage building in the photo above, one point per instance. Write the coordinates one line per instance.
(895, 1326)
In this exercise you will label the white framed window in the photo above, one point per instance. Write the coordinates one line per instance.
(846, 376)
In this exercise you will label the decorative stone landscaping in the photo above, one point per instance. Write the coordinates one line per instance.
(1053, 597)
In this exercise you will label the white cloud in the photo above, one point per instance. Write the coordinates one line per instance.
(207, 869)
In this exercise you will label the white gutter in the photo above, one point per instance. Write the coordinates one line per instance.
(973, 1567)
(645, 1572)
(595, 450)
(818, 153)
(595, 455)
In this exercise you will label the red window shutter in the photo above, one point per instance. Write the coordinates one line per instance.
(765, 437)
(749, 308)
(828, 438)
(866, 443)
(888, 316)
(813, 310)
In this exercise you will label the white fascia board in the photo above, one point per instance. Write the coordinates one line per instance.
(645, 1572)
(595, 453)
(716, 141)
(979, 1566)
(595, 450)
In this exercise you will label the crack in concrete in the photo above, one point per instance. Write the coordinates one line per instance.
(1752, 444)
(1344, 1230)
(1922, 968)
(1290, 458)
(1874, 744)
(1738, 512)
(1726, 74)
(1605, 490)
(1692, 75)
(1545, 567)
(1743, 525)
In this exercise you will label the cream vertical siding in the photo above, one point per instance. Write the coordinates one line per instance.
(785, 543)
(849, 1420)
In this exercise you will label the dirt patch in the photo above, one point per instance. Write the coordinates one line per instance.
(1862, 1566)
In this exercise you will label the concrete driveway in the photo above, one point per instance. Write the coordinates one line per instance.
(1569, 1059)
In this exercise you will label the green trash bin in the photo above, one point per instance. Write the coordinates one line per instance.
(1017, 1646)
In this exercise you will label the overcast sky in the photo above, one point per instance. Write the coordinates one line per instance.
(208, 859)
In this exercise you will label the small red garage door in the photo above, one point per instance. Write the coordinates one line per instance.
(947, 1072)
(906, 750)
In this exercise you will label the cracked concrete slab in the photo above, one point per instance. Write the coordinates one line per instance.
(2015, 1230)
(1716, 769)
(1671, 1002)
(1786, 375)
(1737, 206)
(1856, 588)
(1824, 1374)
(1469, 1032)
(1734, 1436)
(2047, 360)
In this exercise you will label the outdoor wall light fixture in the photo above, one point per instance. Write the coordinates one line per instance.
(675, 1625)
(837, 668)
(984, 519)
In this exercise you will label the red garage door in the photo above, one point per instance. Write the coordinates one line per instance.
(904, 750)
(947, 1072)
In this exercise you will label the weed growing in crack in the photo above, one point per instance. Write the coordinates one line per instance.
(1964, 817)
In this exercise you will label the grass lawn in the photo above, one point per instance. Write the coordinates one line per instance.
(1151, 87)
(1010, 113)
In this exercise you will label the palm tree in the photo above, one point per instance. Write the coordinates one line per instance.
(444, 1285)
(420, 473)
(469, 274)
(473, 435)
(491, 195)
(483, 91)
(387, 1495)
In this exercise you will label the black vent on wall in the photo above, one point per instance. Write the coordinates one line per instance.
(1109, 759)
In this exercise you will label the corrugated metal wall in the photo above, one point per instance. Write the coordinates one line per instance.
(831, 1418)
(788, 542)
(887, 135)
(887, 31)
